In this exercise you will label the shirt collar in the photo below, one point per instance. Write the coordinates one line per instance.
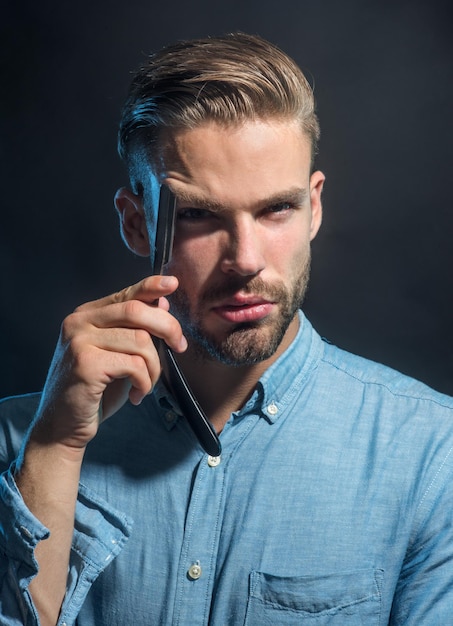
(277, 386)
(283, 379)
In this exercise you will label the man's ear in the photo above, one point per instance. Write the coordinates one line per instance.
(132, 221)
(316, 185)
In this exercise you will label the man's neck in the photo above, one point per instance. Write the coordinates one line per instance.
(221, 389)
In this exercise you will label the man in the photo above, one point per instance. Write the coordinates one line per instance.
(332, 499)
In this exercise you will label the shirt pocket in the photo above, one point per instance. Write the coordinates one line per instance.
(351, 598)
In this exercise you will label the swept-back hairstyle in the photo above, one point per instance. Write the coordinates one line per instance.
(227, 79)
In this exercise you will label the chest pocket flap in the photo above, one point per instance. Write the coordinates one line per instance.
(326, 599)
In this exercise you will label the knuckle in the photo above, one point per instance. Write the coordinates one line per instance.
(149, 283)
(145, 369)
(138, 367)
(82, 353)
(133, 309)
(77, 345)
(69, 326)
(142, 338)
(83, 365)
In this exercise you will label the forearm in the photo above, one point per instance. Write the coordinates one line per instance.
(105, 353)
(101, 532)
(48, 478)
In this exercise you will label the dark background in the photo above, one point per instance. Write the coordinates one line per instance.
(381, 280)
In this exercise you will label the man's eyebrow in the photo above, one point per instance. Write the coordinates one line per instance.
(295, 196)
(198, 202)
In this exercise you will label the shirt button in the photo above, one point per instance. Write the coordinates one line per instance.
(194, 571)
(272, 409)
(213, 461)
(169, 416)
(26, 532)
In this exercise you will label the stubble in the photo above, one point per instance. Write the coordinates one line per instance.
(247, 343)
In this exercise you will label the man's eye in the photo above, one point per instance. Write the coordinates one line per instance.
(281, 207)
(192, 214)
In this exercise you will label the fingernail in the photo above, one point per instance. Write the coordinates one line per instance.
(183, 344)
(167, 282)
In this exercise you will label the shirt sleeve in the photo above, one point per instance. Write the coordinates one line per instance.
(424, 593)
(100, 533)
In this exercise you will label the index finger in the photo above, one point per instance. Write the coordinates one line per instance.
(147, 290)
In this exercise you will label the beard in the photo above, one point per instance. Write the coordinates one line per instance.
(247, 343)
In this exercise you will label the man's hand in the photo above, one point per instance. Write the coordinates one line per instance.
(104, 355)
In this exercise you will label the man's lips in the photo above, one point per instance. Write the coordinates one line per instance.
(240, 309)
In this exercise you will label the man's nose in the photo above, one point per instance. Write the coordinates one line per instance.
(243, 252)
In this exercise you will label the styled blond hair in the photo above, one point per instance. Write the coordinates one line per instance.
(227, 79)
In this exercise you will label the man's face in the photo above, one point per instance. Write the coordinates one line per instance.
(247, 209)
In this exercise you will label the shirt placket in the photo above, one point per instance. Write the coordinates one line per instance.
(196, 571)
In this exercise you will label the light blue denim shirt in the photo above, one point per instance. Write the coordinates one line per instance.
(332, 503)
